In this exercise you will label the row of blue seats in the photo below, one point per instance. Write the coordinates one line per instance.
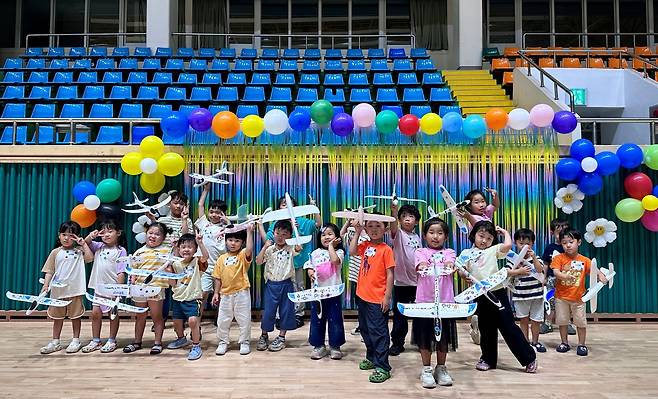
(177, 64)
(226, 53)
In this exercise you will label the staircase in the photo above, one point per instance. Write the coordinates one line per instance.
(477, 91)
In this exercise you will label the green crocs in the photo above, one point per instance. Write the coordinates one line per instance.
(366, 365)
(379, 375)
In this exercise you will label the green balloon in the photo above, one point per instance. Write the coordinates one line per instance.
(386, 121)
(629, 210)
(108, 190)
(651, 156)
(322, 111)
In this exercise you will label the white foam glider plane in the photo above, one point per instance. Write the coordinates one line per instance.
(394, 197)
(291, 212)
(142, 206)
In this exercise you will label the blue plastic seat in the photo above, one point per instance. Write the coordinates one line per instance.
(120, 52)
(187, 109)
(432, 79)
(307, 95)
(279, 107)
(162, 78)
(187, 78)
(425, 65)
(311, 66)
(40, 93)
(88, 77)
(82, 64)
(245, 110)
(249, 53)
(137, 77)
(333, 54)
(243, 65)
(8, 131)
(186, 52)
(356, 65)
(265, 65)
(98, 52)
(148, 93)
(36, 63)
(407, 79)
(206, 52)
(254, 94)
(291, 54)
(379, 65)
(56, 52)
(197, 65)
(112, 77)
(63, 77)
(169, 140)
(34, 51)
(360, 96)
(217, 108)
(419, 52)
(227, 53)
(14, 77)
(288, 66)
(133, 111)
(67, 93)
(139, 132)
(236, 79)
(59, 63)
(395, 108)
(105, 63)
(77, 52)
(120, 92)
(101, 111)
(335, 96)
(312, 54)
(219, 65)
(201, 94)
(227, 94)
(402, 65)
(270, 53)
(444, 109)
(13, 111)
(175, 93)
(128, 63)
(43, 111)
(354, 54)
(396, 53)
(165, 52)
(45, 135)
(382, 79)
(385, 95)
(261, 79)
(281, 95)
(13, 63)
(334, 79)
(38, 77)
(160, 110)
(375, 53)
(333, 66)
(440, 94)
(357, 79)
(142, 52)
(174, 64)
(212, 78)
(72, 111)
(413, 95)
(12, 92)
(287, 79)
(152, 63)
(93, 93)
(110, 135)
(309, 79)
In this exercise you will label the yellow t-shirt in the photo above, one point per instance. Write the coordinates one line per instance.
(189, 287)
(150, 261)
(231, 270)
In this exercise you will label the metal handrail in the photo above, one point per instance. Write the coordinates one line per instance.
(556, 83)
(653, 122)
(586, 34)
(85, 36)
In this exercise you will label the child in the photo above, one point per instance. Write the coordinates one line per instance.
(106, 270)
(66, 263)
(483, 262)
(435, 256)
(149, 259)
(528, 292)
(278, 274)
(571, 269)
(347, 232)
(374, 291)
(325, 266)
(557, 225)
(232, 282)
(405, 243)
(187, 293)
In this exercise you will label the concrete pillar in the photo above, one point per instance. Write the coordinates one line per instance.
(161, 20)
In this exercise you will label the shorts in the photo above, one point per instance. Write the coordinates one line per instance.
(73, 310)
(207, 282)
(564, 310)
(276, 298)
(423, 334)
(533, 308)
(183, 310)
(159, 297)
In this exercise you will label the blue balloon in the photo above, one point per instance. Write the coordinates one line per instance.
(452, 122)
(299, 120)
(175, 124)
(608, 163)
(568, 169)
(655, 191)
(581, 149)
(630, 155)
(474, 126)
(590, 183)
(82, 189)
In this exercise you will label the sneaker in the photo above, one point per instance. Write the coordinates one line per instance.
(356, 331)
(395, 350)
(91, 346)
(366, 364)
(562, 348)
(532, 367)
(441, 376)
(263, 342)
(73, 347)
(195, 352)
(539, 347)
(475, 330)
(582, 350)
(278, 344)
(300, 321)
(571, 330)
(545, 328)
(482, 365)
(179, 343)
(379, 375)
(336, 354)
(110, 346)
(426, 378)
(245, 348)
(319, 352)
(222, 347)
(50, 348)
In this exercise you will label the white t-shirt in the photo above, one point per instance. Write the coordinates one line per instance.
(68, 267)
(106, 268)
(213, 239)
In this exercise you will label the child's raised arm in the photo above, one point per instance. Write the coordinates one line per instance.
(87, 254)
(91, 236)
(507, 243)
(317, 217)
(249, 245)
(260, 258)
(467, 215)
(204, 251)
(354, 244)
(333, 256)
(185, 215)
(202, 199)
(495, 200)
(394, 224)
(261, 232)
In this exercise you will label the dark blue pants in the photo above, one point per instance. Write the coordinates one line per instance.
(275, 297)
(332, 320)
(374, 331)
(401, 294)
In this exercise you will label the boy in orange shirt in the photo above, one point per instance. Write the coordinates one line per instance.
(571, 269)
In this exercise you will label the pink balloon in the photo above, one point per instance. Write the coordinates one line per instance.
(650, 220)
(541, 115)
(364, 115)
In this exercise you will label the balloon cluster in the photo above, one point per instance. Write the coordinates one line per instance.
(153, 164)
(95, 201)
(643, 204)
(587, 169)
(541, 115)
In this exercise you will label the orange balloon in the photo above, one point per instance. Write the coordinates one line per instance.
(226, 125)
(496, 119)
(83, 216)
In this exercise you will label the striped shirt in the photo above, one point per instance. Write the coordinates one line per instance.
(149, 260)
(526, 287)
(354, 261)
(176, 225)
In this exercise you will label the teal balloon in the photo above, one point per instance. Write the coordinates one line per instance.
(322, 111)
(629, 210)
(108, 190)
(651, 156)
(386, 121)
(474, 126)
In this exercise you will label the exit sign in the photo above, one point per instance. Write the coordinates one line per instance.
(579, 96)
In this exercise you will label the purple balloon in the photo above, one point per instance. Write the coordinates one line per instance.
(342, 124)
(564, 122)
(200, 119)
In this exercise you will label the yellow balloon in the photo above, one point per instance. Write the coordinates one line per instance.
(130, 163)
(151, 147)
(252, 126)
(171, 164)
(650, 202)
(153, 183)
(431, 123)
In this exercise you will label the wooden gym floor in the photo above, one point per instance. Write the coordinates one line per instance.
(621, 364)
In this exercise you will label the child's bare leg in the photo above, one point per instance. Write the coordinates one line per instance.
(57, 328)
(96, 321)
(179, 328)
(582, 335)
(534, 329)
(564, 336)
(441, 358)
(114, 328)
(158, 321)
(77, 325)
(282, 333)
(523, 323)
(140, 322)
(426, 357)
(195, 331)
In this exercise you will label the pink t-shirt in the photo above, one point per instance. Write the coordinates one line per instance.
(425, 287)
(404, 247)
(488, 214)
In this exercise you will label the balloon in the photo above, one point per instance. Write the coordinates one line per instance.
(130, 163)
(148, 166)
(650, 203)
(276, 122)
(82, 189)
(322, 111)
(226, 125)
(431, 123)
(655, 191)
(151, 147)
(581, 149)
(630, 155)
(452, 122)
(364, 115)
(108, 190)
(608, 163)
(474, 127)
(650, 221)
(386, 121)
(496, 118)
(564, 122)
(519, 119)
(83, 216)
(638, 185)
(629, 210)
(92, 202)
(409, 125)
(175, 124)
(200, 119)
(140, 237)
(568, 169)
(152, 184)
(590, 183)
(342, 124)
(109, 211)
(137, 228)
(651, 156)
(171, 164)
(299, 120)
(252, 126)
(541, 115)
(589, 164)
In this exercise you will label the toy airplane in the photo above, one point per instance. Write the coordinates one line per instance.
(518, 259)
(202, 179)
(41, 299)
(143, 208)
(394, 197)
(251, 218)
(317, 293)
(361, 216)
(114, 305)
(453, 207)
(548, 295)
(479, 288)
(595, 286)
(241, 215)
(290, 212)
(151, 274)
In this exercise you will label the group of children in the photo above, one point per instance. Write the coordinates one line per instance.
(216, 260)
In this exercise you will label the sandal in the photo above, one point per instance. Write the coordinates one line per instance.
(156, 349)
(135, 346)
(582, 350)
(562, 348)
(366, 365)
(379, 375)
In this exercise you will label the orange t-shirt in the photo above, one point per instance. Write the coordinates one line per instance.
(375, 259)
(577, 267)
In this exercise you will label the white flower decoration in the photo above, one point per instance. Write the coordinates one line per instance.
(600, 232)
(569, 199)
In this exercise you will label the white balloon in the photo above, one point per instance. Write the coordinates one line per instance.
(143, 220)
(276, 122)
(92, 202)
(148, 165)
(589, 164)
(141, 238)
(519, 119)
(138, 228)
